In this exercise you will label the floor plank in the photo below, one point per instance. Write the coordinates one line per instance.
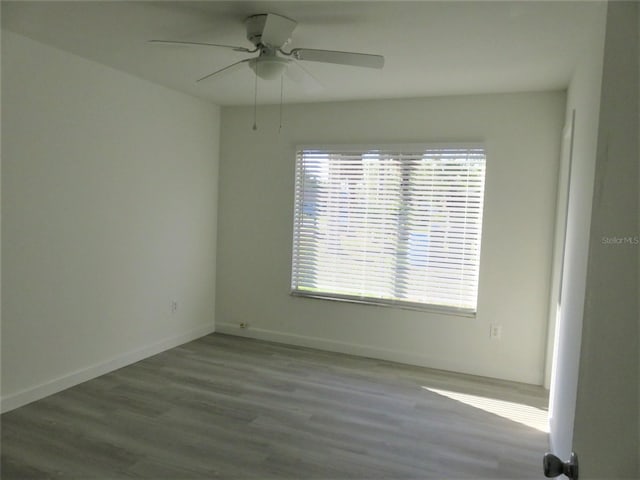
(236, 408)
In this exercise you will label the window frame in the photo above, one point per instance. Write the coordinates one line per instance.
(389, 303)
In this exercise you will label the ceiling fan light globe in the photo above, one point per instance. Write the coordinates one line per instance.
(269, 68)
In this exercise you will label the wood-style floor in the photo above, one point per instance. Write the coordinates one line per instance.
(235, 408)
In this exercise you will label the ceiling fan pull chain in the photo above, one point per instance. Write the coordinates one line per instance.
(281, 100)
(255, 100)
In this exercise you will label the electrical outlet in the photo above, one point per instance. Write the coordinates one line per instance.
(495, 331)
(174, 306)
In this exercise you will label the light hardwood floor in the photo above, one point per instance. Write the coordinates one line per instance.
(230, 407)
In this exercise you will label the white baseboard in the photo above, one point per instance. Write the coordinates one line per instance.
(399, 356)
(334, 346)
(37, 392)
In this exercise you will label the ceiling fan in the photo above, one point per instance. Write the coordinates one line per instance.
(269, 33)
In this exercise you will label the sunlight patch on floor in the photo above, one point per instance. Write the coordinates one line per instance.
(527, 415)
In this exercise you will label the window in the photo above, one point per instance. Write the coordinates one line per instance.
(389, 225)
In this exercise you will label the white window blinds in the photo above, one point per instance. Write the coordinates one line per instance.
(389, 225)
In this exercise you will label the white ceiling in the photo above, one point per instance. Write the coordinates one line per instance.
(431, 48)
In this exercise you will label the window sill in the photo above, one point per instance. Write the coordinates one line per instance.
(421, 307)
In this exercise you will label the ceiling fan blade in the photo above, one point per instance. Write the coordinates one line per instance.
(301, 75)
(342, 58)
(227, 69)
(187, 44)
(277, 30)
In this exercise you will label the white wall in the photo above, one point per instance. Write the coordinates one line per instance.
(109, 201)
(522, 136)
(606, 420)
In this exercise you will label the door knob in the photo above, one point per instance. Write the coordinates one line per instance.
(553, 466)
